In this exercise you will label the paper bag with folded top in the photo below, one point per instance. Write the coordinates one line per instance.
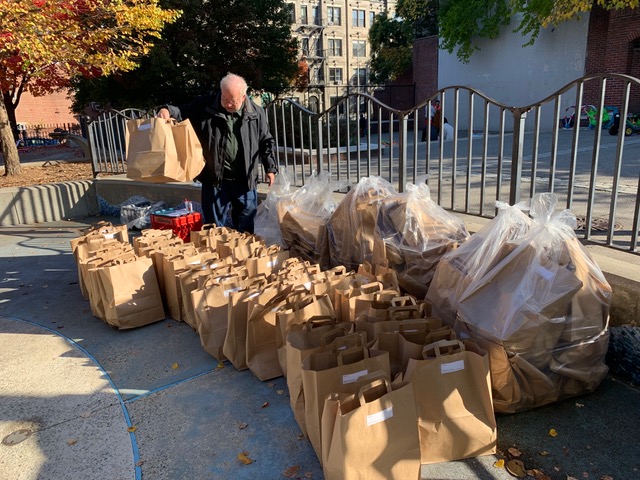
(452, 388)
(371, 434)
(316, 335)
(334, 371)
(90, 268)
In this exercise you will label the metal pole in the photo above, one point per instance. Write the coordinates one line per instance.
(519, 118)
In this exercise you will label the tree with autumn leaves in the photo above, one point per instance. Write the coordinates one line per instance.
(46, 43)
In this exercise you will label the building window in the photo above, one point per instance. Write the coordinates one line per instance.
(333, 15)
(292, 10)
(315, 15)
(359, 48)
(304, 16)
(372, 16)
(358, 18)
(304, 45)
(359, 76)
(335, 75)
(320, 74)
(335, 47)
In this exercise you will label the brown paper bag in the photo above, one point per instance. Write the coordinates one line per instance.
(371, 435)
(308, 338)
(452, 388)
(151, 151)
(211, 306)
(235, 342)
(297, 312)
(131, 294)
(262, 352)
(334, 372)
(188, 149)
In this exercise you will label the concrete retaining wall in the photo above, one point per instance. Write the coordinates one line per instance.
(47, 203)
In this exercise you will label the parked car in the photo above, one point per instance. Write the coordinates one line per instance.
(37, 142)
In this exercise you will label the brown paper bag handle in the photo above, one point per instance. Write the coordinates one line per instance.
(452, 346)
(347, 341)
(412, 325)
(442, 333)
(319, 321)
(404, 301)
(336, 271)
(352, 355)
(333, 334)
(404, 313)
(371, 385)
(372, 287)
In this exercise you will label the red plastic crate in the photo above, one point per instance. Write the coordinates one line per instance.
(181, 226)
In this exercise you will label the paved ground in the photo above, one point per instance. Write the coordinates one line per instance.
(151, 403)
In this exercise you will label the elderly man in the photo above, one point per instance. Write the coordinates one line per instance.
(235, 138)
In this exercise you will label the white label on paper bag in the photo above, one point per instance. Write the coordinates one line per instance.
(380, 416)
(253, 295)
(231, 290)
(452, 367)
(307, 285)
(144, 126)
(353, 377)
(272, 263)
(108, 236)
(545, 273)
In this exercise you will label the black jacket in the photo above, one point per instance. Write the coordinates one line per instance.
(208, 119)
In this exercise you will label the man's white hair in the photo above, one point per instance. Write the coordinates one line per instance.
(232, 78)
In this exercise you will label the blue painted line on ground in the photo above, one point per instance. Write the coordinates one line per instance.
(132, 437)
(164, 387)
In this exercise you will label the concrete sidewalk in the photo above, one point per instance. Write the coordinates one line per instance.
(151, 403)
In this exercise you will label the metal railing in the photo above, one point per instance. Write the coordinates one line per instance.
(107, 140)
(492, 151)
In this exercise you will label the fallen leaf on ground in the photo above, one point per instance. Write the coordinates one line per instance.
(579, 405)
(291, 471)
(265, 405)
(516, 468)
(271, 385)
(244, 458)
(515, 452)
(242, 426)
(279, 392)
(499, 463)
(606, 477)
(308, 475)
(131, 429)
(569, 477)
(220, 366)
(553, 432)
(538, 475)
(85, 414)
(301, 436)
(72, 441)
(585, 475)
(174, 366)
(544, 453)
(139, 463)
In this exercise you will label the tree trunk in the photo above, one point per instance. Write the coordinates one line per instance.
(9, 149)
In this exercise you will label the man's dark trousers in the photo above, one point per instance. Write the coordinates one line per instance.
(230, 204)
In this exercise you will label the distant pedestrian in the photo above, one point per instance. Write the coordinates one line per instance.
(363, 125)
(429, 122)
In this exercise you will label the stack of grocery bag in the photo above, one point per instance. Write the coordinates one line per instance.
(398, 333)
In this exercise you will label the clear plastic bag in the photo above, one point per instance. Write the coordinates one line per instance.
(266, 223)
(135, 212)
(351, 228)
(543, 309)
(417, 232)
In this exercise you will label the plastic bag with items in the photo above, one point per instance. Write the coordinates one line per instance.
(457, 269)
(542, 312)
(351, 228)
(266, 223)
(135, 212)
(416, 233)
(303, 217)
